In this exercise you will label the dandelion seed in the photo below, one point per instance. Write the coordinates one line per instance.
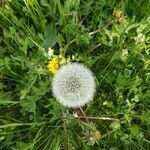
(53, 65)
(73, 85)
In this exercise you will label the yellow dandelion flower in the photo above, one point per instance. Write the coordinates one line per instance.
(53, 65)
(117, 13)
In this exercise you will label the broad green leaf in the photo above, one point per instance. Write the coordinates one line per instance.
(50, 36)
(60, 40)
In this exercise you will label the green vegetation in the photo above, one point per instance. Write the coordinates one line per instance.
(115, 47)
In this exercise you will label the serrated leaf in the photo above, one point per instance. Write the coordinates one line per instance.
(28, 105)
(120, 55)
(5, 99)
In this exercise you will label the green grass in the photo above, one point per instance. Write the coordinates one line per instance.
(116, 50)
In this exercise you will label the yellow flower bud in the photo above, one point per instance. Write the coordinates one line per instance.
(117, 13)
(96, 135)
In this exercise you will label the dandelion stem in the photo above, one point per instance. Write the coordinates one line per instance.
(102, 28)
(98, 45)
(83, 114)
(66, 141)
(97, 118)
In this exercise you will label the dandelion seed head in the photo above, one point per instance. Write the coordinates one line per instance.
(73, 85)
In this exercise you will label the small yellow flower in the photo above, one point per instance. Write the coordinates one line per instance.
(53, 65)
(117, 13)
(96, 135)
